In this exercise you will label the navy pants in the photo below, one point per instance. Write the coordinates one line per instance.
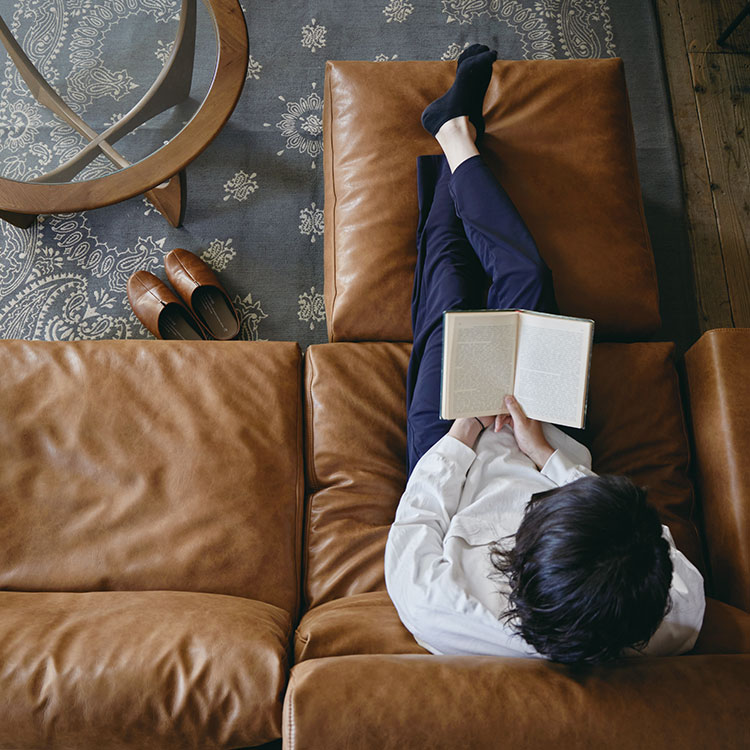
(470, 236)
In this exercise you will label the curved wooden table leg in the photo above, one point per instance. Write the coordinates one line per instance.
(169, 198)
(24, 221)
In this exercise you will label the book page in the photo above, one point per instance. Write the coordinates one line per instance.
(478, 357)
(552, 365)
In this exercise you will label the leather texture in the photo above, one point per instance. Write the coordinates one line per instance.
(136, 465)
(359, 624)
(153, 669)
(559, 138)
(356, 451)
(635, 426)
(725, 630)
(187, 273)
(718, 372)
(441, 702)
(369, 624)
(149, 296)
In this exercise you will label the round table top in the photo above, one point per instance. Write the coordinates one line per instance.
(106, 63)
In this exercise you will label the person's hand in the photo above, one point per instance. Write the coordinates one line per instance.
(528, 432)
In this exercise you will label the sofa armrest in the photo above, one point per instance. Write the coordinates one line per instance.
(400, 701)
(719, 392)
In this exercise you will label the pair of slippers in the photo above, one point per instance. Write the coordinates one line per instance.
(202, 311)
(466, 96)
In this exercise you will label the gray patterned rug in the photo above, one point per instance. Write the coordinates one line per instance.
(255, 196)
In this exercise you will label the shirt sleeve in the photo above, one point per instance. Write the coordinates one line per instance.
(430, 500)
(680, 627)
(420, 580)
(561, 470)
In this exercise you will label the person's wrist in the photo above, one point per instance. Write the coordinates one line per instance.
(466, 429)
(541, 454)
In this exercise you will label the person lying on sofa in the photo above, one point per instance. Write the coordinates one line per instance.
(593, 574)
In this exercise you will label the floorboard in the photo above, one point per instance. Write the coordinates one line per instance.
(723, 98)
(712, 295)
(704, 20)
(710, 90)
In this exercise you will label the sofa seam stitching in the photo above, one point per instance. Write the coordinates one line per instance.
(300, 491)
(329, 121)
(689, 462)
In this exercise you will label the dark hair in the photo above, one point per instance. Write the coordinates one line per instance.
(589, 573)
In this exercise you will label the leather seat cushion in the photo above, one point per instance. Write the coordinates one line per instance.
(560, 140)
(136, 465)
(359, 624)
(140, 669)
(369, 624)
(356, 427)
(445, 702)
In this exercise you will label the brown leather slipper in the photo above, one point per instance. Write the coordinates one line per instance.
(160, 310)
(202, 292)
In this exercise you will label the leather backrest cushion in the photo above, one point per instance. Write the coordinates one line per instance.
(140, 465)
(559, 138)
(636, 427)
(356, 448)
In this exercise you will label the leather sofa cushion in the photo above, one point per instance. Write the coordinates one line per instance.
(446, 702)
(140, 669)
(559, 138)
(132, 465)
(356, 448)
(636, 427)
(717, 369)
(369, 624)
(359, 624)
(356, 425)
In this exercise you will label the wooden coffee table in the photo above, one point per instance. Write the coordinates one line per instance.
(160, 174)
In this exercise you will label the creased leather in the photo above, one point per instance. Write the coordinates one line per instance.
(718, 371)
(359, 624)
(132, 465)
(560, 140)
(444, 702)
(369, 624)
(356, 451)
(152, 669)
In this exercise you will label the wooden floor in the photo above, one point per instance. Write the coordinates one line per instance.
(710, 90)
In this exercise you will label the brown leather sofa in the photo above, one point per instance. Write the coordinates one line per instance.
(559, 137)
(151, 497)
(192, 535)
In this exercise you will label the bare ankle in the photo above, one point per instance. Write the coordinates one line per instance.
(456, 128)
(457, 139)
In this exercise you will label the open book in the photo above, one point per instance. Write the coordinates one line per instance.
(542, 359)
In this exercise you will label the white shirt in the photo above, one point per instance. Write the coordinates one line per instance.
(456, 503)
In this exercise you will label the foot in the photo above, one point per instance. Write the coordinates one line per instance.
(474, 49)
(465, 96)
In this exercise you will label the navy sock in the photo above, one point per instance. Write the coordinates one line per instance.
(465, 97)
(474, 49)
